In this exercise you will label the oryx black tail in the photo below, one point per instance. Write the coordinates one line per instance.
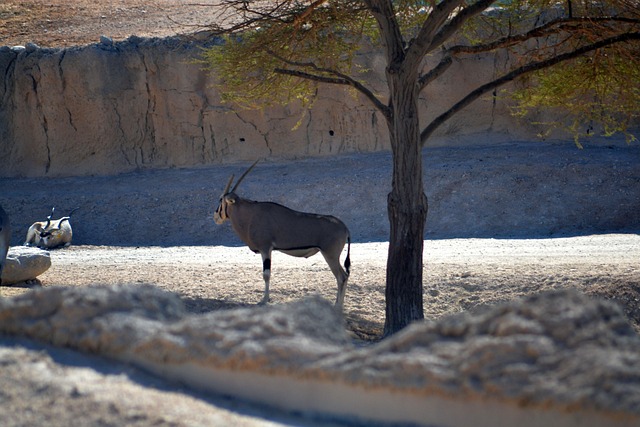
(347, 261)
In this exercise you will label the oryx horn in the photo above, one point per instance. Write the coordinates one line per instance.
(243, 175)
(49, 218)
(226, 189)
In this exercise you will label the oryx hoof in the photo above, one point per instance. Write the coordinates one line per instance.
(264, 301)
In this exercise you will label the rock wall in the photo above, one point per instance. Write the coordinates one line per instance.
(143, 103)
(559, 358)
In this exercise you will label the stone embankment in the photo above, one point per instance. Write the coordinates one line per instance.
(557, 358)
(113, 107)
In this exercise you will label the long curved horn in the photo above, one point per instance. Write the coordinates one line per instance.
(226, 189)
(243, 175)
(61, 220)
(49, 218)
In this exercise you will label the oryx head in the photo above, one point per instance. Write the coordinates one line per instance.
(228, 197)
(42, 227)
(49, 229)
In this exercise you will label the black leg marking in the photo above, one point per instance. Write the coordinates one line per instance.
(266, 264)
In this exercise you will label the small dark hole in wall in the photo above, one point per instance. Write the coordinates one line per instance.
(331, 132)
(241, 139)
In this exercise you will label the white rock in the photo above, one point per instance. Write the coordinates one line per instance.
(24, 263)
(106, 41)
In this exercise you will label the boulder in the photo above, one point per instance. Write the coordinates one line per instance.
(24, 263)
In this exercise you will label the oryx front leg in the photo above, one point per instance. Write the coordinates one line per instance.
(266, 275)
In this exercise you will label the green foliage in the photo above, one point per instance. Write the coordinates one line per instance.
(286, 48)
(601, 90)
(246, 74)
(322, 44)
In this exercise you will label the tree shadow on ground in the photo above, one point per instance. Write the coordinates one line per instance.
(206, 305)
(626, 295)
(361, 329)
(27, 284)
(364, 329)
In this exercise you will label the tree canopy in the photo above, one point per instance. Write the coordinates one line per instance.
(575, 56)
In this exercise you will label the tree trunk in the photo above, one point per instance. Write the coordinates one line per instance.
(407, 209)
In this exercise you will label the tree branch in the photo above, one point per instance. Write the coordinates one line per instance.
(457, 22)
(340, 80)
(435, 72)
(308, 11)
(420, 46)
(280, 11)
(385, 16)
(525, 69)
(551, 27)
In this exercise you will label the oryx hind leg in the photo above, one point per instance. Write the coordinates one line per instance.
(266, 275)
(341, 277)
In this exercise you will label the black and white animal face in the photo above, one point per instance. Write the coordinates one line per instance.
(229, 197)
(222, 213)
(51, 237)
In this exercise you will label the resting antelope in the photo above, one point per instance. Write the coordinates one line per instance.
(266, 226)
(5, 239)
(50, 234)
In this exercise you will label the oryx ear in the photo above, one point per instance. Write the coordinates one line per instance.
(230, 198)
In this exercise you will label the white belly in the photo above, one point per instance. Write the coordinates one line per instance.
(307, 252)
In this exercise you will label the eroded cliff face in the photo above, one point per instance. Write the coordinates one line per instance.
(144, 103)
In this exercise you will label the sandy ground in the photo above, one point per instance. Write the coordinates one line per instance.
(459, 274)
(156, 227)
(60, 23)
(57, 386)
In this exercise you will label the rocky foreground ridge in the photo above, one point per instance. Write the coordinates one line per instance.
(559, 358)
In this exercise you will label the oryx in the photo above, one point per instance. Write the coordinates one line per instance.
(51, 233)
(267, 226)
(5, 239)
